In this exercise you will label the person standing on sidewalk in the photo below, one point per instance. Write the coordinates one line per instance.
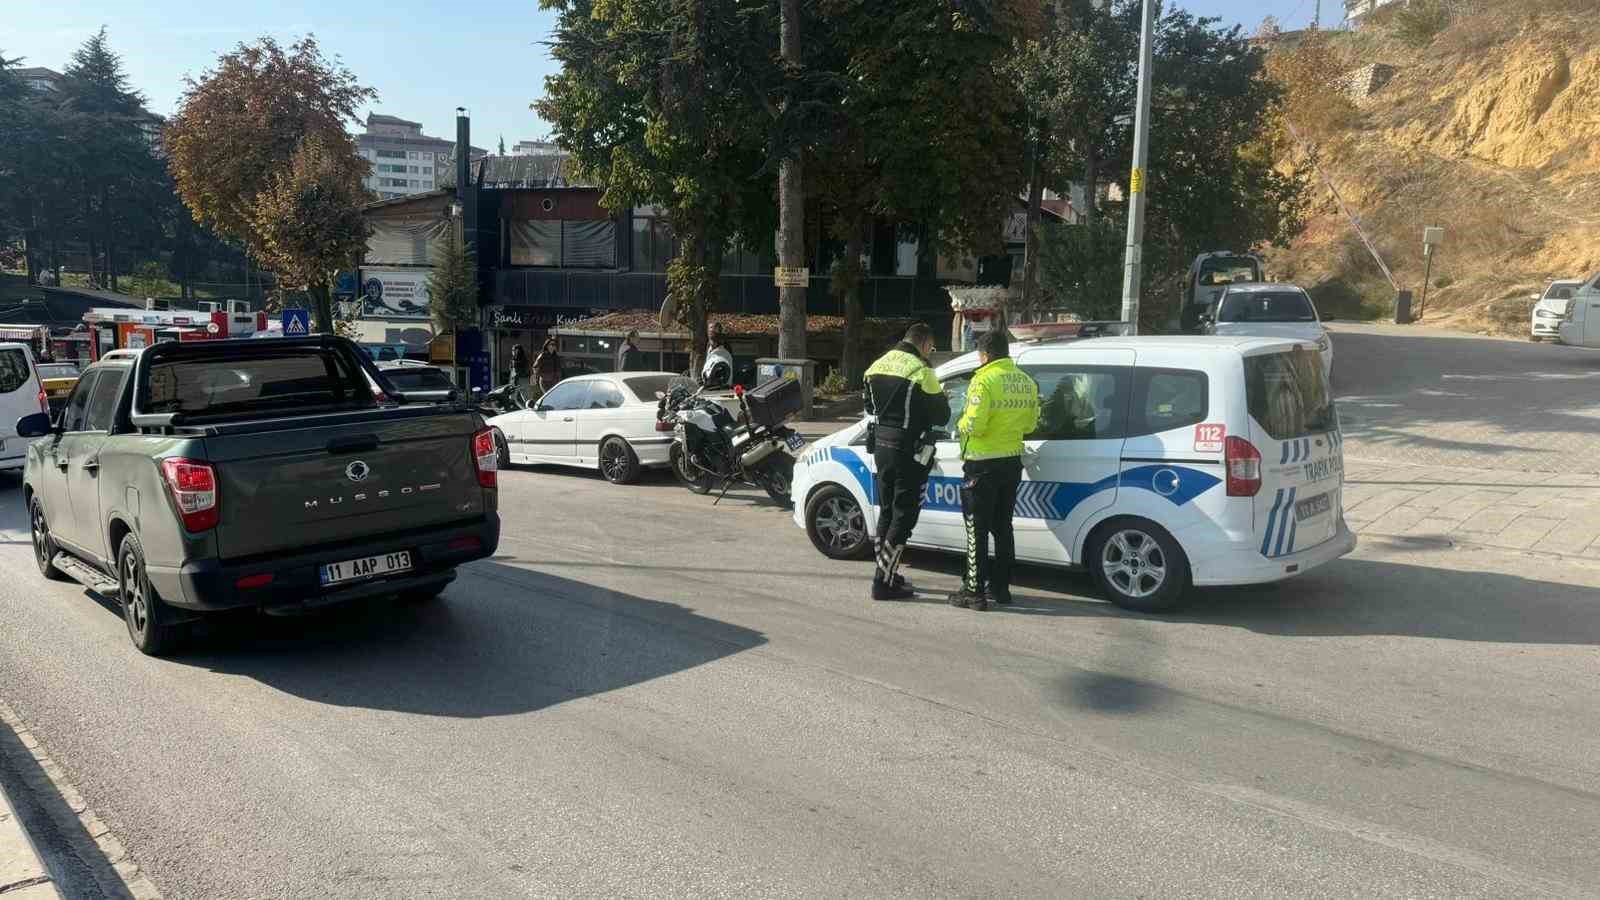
(630, 358)
(905, 402)
(519, 367)
(547, 368)
(1002, 407)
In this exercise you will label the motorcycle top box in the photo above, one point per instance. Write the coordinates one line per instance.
(773, 402)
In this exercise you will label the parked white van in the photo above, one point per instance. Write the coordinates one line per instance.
(21, 394)
(1581, 325)
(1159, 463)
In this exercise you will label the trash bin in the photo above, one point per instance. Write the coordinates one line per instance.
(1402, 308)
(804, 370)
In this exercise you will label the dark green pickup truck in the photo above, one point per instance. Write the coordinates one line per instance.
(277, 474)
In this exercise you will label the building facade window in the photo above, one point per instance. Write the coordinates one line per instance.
(571, 244)
(392, 154)
(653, 243)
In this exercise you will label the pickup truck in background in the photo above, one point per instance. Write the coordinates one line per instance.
(189, 478)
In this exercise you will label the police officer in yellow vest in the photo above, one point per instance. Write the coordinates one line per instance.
(905, 403)
(1002, 407)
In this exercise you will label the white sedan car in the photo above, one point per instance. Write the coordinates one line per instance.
(605, 422)
(1273, 311)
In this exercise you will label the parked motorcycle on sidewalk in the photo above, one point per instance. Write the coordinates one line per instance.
(710, 446)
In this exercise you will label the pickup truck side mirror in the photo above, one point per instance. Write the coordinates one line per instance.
(35, 425)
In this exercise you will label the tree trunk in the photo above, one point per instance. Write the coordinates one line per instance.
(1030, 257)
(791, 201)
(322, 303)
(1091, 186)
(852, 359)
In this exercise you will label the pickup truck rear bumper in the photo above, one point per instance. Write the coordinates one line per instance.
(210, 585)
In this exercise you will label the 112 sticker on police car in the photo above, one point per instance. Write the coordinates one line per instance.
(1209, 438)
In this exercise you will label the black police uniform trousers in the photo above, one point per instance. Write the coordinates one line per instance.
(988, 501)
(901, 480)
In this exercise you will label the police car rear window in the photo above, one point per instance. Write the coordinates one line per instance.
(1288, 395)
(13, 370)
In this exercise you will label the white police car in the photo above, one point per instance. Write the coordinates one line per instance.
(1159, 463)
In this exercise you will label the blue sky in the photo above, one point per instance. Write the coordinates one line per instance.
(425, 57)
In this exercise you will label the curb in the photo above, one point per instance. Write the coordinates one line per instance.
(23, 875)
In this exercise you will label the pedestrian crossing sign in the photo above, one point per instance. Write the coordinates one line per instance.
(296, 322)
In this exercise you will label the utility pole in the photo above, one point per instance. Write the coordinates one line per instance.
(1133, 261)
(793, 277)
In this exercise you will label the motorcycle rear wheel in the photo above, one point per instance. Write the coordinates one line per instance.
(689, 475)
(777, 476)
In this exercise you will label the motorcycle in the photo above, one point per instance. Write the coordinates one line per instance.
(709, 445)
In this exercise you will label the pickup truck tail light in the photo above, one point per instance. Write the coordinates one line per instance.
(487, 457)
(1243, 462)
(194, 489)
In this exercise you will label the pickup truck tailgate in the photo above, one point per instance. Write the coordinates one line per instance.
(306, 486)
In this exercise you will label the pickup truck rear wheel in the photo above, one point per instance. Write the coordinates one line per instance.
(142, 609)
(44, 547)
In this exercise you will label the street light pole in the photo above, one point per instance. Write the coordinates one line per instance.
(1132, 262)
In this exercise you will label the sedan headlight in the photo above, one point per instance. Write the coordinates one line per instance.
(1547, 314)
(1323, 343)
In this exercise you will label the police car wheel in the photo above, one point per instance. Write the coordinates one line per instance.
(836, 524)
(1138, 565)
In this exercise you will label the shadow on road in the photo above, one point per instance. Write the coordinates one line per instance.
(504, 640)
(1347, 598)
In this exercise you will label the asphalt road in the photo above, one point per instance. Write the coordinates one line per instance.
(1422, 396)
(646, 696)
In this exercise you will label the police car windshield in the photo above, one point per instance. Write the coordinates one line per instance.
(1266, 306)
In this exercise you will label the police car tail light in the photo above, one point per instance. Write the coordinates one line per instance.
(487, 458)
(1243, 461)
(194, 489)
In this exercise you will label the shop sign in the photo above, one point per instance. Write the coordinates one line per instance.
(525, 318)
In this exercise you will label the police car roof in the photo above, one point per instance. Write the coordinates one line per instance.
(1201, 344)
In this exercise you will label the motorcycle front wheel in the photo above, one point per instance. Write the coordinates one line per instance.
(690, 475)
(777, 475)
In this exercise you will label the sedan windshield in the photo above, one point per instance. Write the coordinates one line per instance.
(1266, 306)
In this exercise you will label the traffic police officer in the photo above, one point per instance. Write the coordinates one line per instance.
(1002, 407)
(905, 403)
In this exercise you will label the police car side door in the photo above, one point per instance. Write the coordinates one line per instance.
(940, 524)
(1076, 452)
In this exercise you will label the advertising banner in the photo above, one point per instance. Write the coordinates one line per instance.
(394, 293)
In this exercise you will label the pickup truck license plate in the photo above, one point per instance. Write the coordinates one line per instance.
(366, 567)
(795, 442)
(1312, 507)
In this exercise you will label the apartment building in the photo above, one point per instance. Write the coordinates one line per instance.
(404, 160)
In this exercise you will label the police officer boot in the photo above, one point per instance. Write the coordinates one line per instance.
(974, 600)
(884, 586)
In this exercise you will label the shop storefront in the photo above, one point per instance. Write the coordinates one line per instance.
(509, 325)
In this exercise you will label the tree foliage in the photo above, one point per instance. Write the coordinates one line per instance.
(242, 123)
(1311, 76)
(264, 135)
(1216, 176)
(306, 223)
(668, 102)
(914, 122)
(453, 287)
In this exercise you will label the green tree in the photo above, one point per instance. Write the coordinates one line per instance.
(266, 129)
(453, 287)
(919, 125)
(670, 103)
(307, 221)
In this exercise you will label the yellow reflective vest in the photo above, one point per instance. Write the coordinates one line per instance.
(1002, 407)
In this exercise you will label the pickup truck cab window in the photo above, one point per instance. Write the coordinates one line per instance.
(256, 383)
(103, 400)
(76, 411)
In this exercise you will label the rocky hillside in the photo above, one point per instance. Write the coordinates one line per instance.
(1491, 130)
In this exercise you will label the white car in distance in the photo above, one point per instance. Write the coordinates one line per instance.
(1551, 307)
(1270, 310)
(605, 422)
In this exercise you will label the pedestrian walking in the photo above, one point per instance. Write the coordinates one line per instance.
(547, 368)
(630, 358)
(904, 402)
(1002, 407)
(519, 368)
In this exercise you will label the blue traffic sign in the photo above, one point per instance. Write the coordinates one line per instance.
(296, 322)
